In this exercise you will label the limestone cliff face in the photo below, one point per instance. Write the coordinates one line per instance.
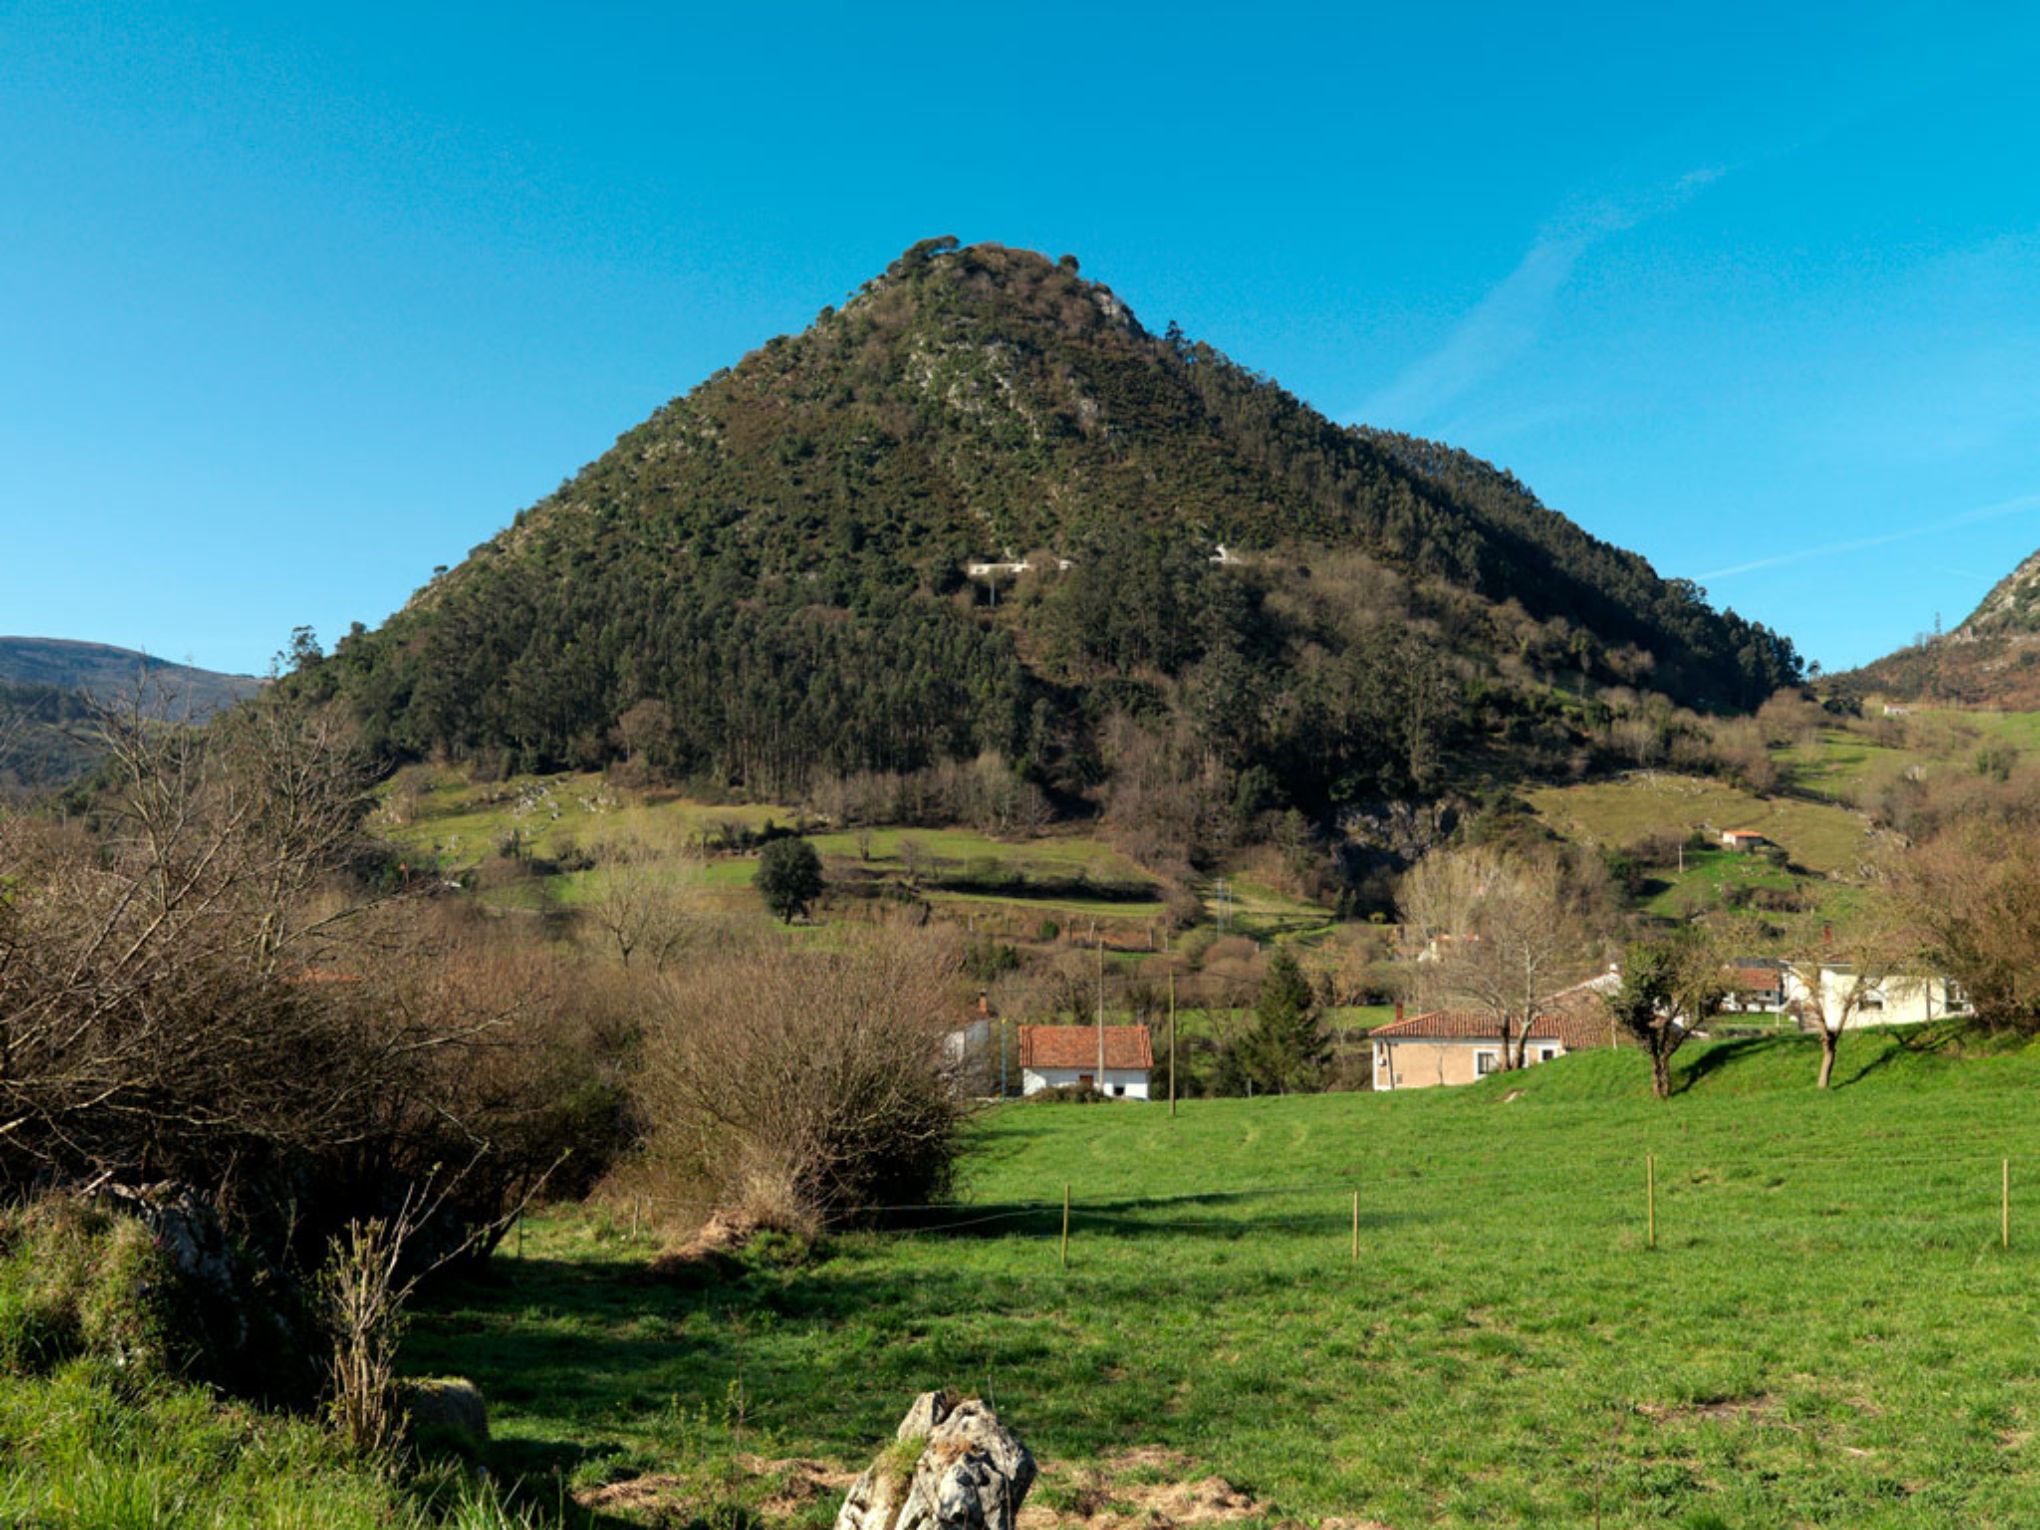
(2012, 606)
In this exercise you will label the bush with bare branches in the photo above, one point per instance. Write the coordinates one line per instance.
(199, 985)
(806, 1087)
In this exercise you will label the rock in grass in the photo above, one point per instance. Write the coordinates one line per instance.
(445, 1415)
(952, 1466)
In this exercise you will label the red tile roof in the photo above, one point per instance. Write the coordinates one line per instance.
(1755, 979)
(1076, 1046)
(1574, 1026)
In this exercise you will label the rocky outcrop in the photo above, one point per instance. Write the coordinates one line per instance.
(246, 1322)
(952, 1466)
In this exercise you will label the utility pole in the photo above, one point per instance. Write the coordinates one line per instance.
(1101, 1008)
(1172, 1046)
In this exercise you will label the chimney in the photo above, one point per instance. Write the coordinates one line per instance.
(1827, 934)
(984, 1004)
(1398, 1009)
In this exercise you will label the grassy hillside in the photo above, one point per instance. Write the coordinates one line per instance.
(1826, 1332)
(1612, 813)
(1853, 764)
(1004, 885)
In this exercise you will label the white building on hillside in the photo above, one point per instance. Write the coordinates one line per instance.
(1059, 1056)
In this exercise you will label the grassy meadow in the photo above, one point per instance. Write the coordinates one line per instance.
(457, 825)
(1820, 836)
(1826, 1333)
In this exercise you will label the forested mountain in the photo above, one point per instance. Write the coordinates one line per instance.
(48, 687)
(767, 578)
(1992, 659)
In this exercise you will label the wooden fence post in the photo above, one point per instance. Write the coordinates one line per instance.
(1066, 1225)
(1650, 1195)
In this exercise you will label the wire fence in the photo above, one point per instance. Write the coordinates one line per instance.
(1953, 1188)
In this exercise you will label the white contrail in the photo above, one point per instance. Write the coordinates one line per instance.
(1884, 539)
(1511, 314)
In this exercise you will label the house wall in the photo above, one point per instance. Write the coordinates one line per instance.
(1127, 1083)
(1907, 1000)
(1416, 1063)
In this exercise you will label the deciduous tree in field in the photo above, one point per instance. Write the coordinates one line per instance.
(1669, 986)
(805, 1086)
(1836, 976)
(647, 906)
(789, 877)
(1969, 900)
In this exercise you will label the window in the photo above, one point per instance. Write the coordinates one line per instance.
(1545, 1054)
(1485, 1063)
(1872, 1000)
(1118, 1090)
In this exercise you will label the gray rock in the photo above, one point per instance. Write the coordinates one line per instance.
(954, 1466)
(446, 1414)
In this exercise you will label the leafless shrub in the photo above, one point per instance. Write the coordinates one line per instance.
(806, 1086)
(197, 987)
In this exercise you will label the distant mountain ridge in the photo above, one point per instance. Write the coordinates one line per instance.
(107, 672)
(767, 578)
(49, 688)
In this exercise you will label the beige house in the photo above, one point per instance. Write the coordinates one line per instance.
(1742, 839)
(1452, 1046)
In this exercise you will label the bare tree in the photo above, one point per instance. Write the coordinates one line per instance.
(197, 986)
(1507, 930)
(647, 906)
(1669, 986)
(1833, 980)
(1968, 903)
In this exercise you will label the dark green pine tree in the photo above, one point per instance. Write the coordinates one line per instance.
(1287, 1050)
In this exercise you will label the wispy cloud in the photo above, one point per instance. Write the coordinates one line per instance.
(1507, 321)
(2021, 505)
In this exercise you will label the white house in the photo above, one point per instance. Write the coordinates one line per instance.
(970, 1055)
(1886, 999)
(1756, 985)
(1059, 1056)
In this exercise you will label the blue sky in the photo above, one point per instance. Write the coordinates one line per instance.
(297, 307)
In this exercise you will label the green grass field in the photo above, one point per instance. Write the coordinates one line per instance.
(1826, 1333)
(90, 1448)
(1819, 836)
